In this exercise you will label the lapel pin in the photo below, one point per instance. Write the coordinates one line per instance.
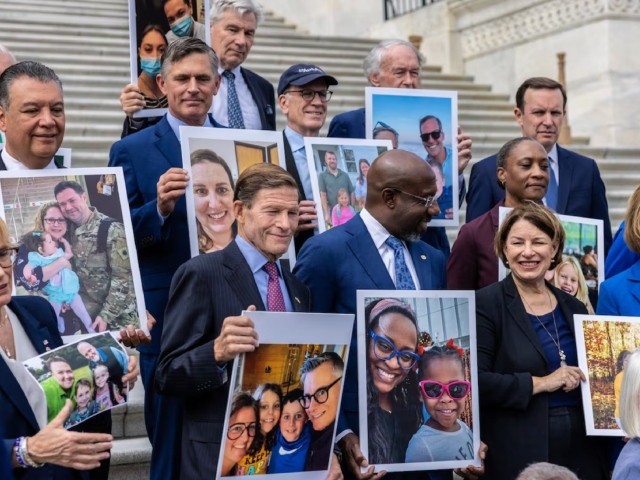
(298, 300)
(423, 257)
(45, 342)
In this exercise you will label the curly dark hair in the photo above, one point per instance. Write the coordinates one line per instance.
(406, 401)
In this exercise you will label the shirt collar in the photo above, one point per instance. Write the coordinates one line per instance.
(175, 124)
(13, 164)
(296, 141)
(236, 71)
(553, 154)
(254, 258)
(378, 233)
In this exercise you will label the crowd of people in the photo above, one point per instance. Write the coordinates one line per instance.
(529, 379)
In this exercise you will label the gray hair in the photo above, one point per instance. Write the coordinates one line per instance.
(183, 47)
(374, 58)
(239, 6)
(5, 51)
(629, 395)
(311, 364)
(34, 70)
(546, 471)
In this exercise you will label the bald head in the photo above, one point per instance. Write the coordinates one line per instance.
(398, 186)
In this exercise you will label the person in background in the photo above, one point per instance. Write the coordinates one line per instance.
(151, 46)
(179, 15)
(361, 183)
(628, 463)
(243, 425)
(568, 277)
(6, 58)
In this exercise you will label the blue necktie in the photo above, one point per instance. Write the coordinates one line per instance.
(403, 276)
(552, 190)
(233, 104)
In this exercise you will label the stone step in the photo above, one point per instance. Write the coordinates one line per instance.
(130, 459)
(79, 18)
(65, 8)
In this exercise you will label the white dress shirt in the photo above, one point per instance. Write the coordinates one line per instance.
(250, 113)
(13, 164)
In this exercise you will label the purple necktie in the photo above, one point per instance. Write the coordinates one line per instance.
(275, 299)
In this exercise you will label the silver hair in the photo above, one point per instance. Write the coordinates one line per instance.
(311, 364)
(629, 395)
(374, 58)
(4, 50)
(33, 70)
(239, 6)
(183, 47)
(546, 471)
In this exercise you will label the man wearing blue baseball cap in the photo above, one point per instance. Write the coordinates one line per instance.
(303, 95)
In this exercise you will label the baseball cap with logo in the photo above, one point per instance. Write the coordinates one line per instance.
(301, 74)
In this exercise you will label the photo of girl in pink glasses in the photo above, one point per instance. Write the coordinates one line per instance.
(418, 401)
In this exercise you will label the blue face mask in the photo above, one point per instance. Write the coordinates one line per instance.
(150, 66)
(182, 26)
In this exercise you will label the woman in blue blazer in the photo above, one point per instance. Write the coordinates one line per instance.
(620, 294)
(28, 327)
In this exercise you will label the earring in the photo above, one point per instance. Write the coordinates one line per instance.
(506, 263)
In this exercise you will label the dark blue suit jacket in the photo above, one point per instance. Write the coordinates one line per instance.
(344, 259)
(348, 125)
(16, 417)
(144, 157)
(581, 191)
(206, 290)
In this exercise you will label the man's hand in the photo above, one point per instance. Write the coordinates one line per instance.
(464, 150)
(471, 472)
(236, 336)
(308, 215)
(132, 372)
(132, 337)
(131, 100)
(171, 186)
(354, 459)
(99, 325)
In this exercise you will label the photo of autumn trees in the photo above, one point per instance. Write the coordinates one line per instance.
(606, 343)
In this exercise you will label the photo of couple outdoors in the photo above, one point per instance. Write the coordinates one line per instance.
(418, 385)
(88, 372)
(283, 413)
(72, 249)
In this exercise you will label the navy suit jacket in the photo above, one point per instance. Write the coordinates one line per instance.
(344, 259)
(206, 290)
(620, 294)
(581, 191)
(348, 125)
(16, 417)
(144, 157)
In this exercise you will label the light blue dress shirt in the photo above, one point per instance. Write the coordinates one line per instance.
(296, 142)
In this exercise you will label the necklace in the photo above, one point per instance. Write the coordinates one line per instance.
(5, 326)
(563, 357)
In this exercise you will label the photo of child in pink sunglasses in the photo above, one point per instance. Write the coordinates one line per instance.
(443, 391)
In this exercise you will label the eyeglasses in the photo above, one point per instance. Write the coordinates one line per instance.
(237, 429)
(8, 257)
(456, 390)
(435, 135)
(320, 396)
(384, 349)
(52, 221)
(309, 95)
(426, 201)
(381, 126)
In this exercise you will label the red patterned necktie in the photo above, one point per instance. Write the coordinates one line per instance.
(275, 299)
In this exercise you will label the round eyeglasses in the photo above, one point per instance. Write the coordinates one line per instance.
(237, 429)
(384, 349)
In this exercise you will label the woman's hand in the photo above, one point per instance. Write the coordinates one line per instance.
(565, 378)
(68, 254)
(81, 451)
(354, 458)
(133, 370)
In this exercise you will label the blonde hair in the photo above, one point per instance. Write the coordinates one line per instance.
(630, 396)
(632, 222)
(4, 233)
(583, 291)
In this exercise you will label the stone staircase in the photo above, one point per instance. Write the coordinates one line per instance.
(86, 43)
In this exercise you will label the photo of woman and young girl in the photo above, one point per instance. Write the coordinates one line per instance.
(418, 390)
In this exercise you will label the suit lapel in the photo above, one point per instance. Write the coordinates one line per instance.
(422, 265)
(167, 143)
(290, 165)
(240, 277)
(299, 297)
(519, 316)
(634, 281)
(365, 252)
(14, 393)
(565, 169)
(257, 98)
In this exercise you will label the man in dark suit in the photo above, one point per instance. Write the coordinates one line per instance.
(233, 28)
(401, 190)
(156, 183)
(204, 328)
(579, 189)
(303, 96)
(32, 136)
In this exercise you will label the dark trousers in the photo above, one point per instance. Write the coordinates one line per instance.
(163, 419)
(570, 447)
